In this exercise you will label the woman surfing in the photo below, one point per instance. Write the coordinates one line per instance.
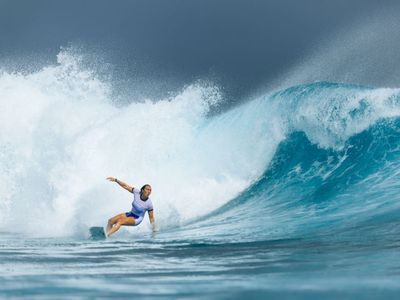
(140, 204)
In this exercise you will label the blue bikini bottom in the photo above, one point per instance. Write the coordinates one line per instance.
(130, 214)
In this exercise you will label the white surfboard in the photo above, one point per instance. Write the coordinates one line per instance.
(97, 233)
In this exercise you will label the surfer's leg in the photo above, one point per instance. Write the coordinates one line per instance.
(114, 220)
(121, 221)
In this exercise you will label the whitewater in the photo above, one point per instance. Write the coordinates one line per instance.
(294, 191)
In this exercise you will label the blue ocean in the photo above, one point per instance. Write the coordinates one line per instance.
(293, 194)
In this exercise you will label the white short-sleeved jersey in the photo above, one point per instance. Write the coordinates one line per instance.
(139, 207)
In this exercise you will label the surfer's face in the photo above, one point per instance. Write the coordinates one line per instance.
(146, 191)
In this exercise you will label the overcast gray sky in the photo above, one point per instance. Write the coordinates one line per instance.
(242, 45)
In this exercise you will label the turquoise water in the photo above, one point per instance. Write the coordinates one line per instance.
(166, 267)
(292, 195)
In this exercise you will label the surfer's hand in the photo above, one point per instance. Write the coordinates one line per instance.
(110, 178)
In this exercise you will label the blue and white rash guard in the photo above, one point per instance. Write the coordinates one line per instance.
(139, 207)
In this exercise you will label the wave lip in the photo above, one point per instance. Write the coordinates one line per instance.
(330, 113)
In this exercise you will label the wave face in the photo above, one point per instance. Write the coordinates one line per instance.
(311, 159)
(335, 172)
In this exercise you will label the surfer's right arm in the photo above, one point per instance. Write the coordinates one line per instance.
(122, 184)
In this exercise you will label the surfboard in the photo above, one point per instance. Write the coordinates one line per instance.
(97, 233)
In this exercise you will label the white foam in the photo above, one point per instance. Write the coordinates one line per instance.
(330, 114)
(61, 136)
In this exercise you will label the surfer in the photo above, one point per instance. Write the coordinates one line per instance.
(140, 204)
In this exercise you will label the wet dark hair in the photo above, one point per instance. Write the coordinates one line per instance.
(143, 187)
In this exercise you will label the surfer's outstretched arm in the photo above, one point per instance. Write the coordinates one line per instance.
(122, 184)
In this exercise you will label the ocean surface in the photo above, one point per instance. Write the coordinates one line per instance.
(291, 195)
